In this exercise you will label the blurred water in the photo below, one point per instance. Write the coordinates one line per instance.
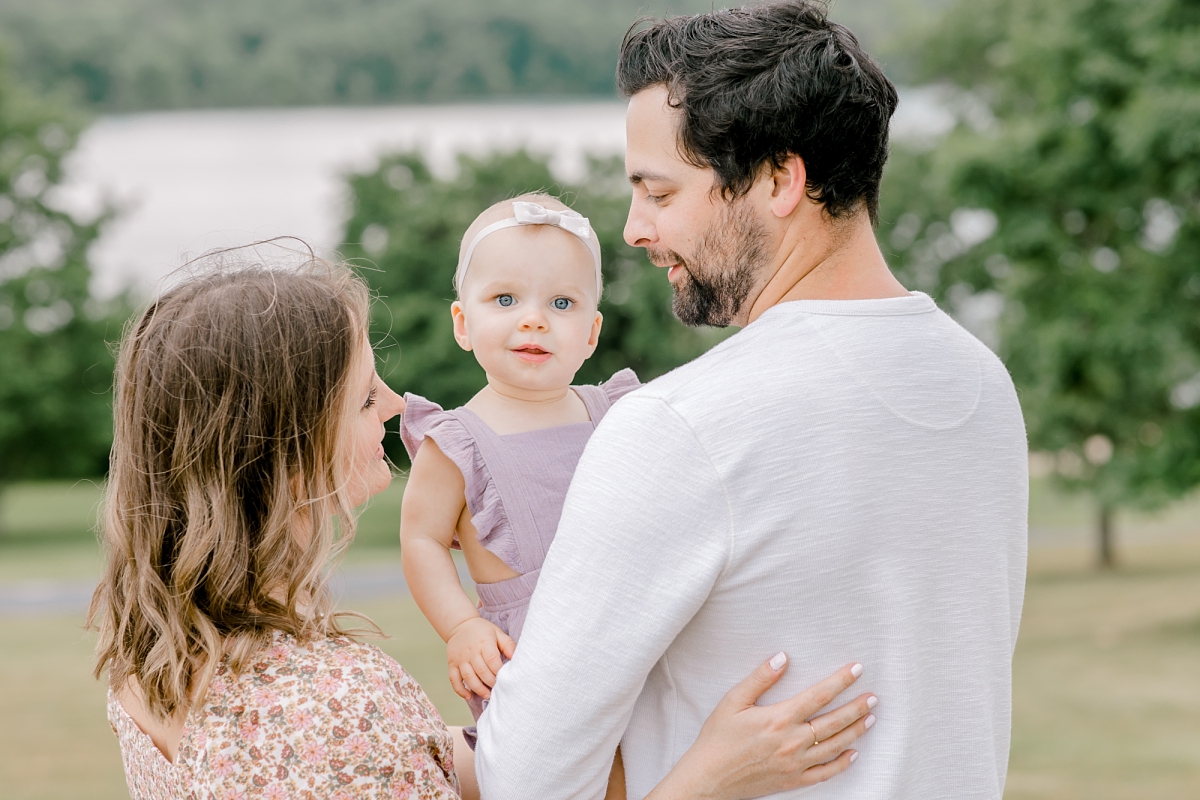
(186, 182)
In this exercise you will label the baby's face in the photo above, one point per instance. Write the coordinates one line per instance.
(528, 307)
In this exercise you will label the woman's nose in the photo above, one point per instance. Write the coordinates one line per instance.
(390, 404)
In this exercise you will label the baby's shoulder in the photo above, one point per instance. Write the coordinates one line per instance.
(424, 419)
(599, 397)
(456, 435)
(620, 384)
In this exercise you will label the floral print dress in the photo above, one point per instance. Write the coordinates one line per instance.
(328, 719)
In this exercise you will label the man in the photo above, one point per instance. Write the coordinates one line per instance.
(845, 479)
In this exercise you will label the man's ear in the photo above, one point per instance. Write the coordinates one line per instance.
(460, 325)
(790, 180)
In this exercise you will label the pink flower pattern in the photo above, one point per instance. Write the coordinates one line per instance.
(330, 719)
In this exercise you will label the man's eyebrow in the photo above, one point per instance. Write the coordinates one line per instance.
(636, 178)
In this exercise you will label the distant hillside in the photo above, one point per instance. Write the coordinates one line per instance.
(122, 55)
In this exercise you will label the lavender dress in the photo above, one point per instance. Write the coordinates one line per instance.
(515, 487)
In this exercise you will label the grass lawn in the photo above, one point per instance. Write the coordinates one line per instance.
(47, 530)
(1107, 669)
(1106, 694)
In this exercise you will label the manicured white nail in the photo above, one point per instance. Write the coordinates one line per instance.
(856, 670)
(854, 757)
(872, 701)
(869, 721)
(777, 661)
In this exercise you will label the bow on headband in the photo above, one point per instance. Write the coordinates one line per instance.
(527, 213)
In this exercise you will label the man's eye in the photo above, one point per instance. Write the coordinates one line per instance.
(506, 300)
(562, 303)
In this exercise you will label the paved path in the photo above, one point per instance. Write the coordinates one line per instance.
(34, 597)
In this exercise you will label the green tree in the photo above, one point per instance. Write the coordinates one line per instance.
(140, 54)
(405, 229)
(1064, 211)
(55, 368)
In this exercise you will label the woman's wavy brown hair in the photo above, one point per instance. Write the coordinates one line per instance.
(226, 500)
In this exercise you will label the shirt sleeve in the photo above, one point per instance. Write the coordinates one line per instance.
(644, 534)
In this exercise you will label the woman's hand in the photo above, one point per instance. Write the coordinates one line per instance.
(745, 750)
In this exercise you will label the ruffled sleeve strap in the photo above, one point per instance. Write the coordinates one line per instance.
(620, 384)
(419, 418)
(423, 420)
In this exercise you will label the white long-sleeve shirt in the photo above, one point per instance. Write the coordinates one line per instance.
(842, 480)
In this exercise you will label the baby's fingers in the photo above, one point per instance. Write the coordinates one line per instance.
(493, 660)
(483, 672)
(472, 681)
(507, 645)
(456, 683)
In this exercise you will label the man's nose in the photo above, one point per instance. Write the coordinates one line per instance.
(639, 229)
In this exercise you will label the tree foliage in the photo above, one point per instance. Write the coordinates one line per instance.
(405, 230)
(1071, 189)
(55, 367)
(154, 54)
(137, 54)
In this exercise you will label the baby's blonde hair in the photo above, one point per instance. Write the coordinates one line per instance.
(503, 210)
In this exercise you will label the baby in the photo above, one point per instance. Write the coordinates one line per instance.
(490, 477)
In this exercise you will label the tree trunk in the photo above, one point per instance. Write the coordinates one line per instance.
(1107, 557)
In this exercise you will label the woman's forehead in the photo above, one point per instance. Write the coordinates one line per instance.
(365, 360)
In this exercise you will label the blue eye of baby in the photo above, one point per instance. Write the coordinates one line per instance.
(505, 300)
(562, 303)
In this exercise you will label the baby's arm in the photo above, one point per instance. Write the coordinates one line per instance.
(433, 503)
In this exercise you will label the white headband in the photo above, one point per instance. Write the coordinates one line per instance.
(525, 213)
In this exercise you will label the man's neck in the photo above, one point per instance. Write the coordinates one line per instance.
(824, 260)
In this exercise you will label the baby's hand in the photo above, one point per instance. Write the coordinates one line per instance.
(474, 652)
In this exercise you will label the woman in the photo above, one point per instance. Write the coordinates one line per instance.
(248, 426)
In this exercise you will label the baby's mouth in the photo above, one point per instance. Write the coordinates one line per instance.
(531, 353)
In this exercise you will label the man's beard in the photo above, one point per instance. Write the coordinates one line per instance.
(722, 270)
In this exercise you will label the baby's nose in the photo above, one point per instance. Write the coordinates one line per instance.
(534, 322)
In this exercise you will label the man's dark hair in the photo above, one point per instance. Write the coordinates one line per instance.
(758, 84)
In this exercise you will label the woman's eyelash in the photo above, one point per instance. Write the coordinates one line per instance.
(370, 398)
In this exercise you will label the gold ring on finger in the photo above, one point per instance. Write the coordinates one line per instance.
(814, 732)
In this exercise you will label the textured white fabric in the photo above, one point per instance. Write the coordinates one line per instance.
(842, 480)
